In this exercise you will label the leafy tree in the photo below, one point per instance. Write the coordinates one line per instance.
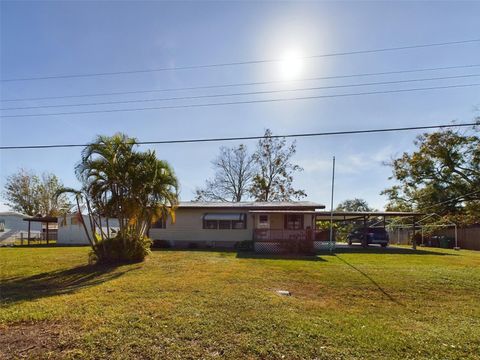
(274, 177)
(134, 187)
(50, 204)
(354, 205)
(234, 170)
(442, 175)
(30, 194)
(342, 229)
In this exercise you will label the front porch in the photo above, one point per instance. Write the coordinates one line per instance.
(287, 231)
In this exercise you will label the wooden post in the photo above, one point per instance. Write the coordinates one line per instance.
(28, 238)
(46, 235)
(365, 232)
(414, 241)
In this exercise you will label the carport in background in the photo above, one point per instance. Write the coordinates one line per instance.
(365, 217)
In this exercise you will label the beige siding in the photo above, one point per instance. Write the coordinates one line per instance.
(308, 221)
(277, 221)
(189, 227)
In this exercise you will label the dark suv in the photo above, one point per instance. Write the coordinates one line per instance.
(368, 236)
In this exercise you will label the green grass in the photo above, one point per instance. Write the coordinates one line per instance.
(362, 304)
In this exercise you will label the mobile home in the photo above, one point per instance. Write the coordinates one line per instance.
(220, 224)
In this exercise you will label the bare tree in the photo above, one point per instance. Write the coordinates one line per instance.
(234, 171)
(274, 178)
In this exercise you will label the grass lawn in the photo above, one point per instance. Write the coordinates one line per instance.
(360, 304)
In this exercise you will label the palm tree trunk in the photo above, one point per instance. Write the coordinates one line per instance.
(84, 226)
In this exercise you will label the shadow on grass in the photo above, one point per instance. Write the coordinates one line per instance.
(204, 249)
(354, 249)
(58, 282)
(382, 290)
(254, 255)
(244, 254)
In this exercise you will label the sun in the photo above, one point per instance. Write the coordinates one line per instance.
(291, 65)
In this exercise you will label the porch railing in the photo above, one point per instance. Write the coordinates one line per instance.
(269, 235)
(289, 241)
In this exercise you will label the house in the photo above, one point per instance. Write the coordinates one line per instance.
(12, 227)
(72, 232)
(270, 225)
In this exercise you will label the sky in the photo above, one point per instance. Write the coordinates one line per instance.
(67, 37)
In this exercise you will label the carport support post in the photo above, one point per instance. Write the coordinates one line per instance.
(414, 241)
(47, 233)
(365, 232)
(456, 237)
(28, 238)
(330, 240)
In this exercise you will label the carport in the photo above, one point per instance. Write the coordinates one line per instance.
(366, 216)
(45, 220)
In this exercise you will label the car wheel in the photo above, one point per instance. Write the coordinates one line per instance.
(384, 245)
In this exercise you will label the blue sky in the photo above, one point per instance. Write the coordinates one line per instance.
(51, 38)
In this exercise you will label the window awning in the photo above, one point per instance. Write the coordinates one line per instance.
(224, 216)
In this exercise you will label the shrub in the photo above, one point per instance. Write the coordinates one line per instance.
(118, 250)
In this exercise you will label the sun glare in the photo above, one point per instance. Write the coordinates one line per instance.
(291, 65)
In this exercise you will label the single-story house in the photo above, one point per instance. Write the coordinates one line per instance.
(71, 231)
(220, 224)
(12, 226)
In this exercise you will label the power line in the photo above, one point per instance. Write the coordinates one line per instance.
(299, 135)
(240, 93)
(450, 200)
(244, 84)
(242, 102)
(248, 62)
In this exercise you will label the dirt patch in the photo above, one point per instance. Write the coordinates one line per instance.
(34, 340)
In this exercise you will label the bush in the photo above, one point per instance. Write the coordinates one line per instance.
(118, 250)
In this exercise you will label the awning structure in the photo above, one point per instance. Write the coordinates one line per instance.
(41, 219)
(356, 215)
(224, 216)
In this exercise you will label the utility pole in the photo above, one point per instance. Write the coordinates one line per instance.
(330, 242)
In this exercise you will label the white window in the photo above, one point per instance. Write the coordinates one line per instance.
(263, 221)
(159, 224)
(222, 221)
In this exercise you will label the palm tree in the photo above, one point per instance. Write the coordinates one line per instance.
(134, 187)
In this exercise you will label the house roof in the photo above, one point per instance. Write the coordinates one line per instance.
(251, 205)
(287, 211)
(42, 219)
(11, 213)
